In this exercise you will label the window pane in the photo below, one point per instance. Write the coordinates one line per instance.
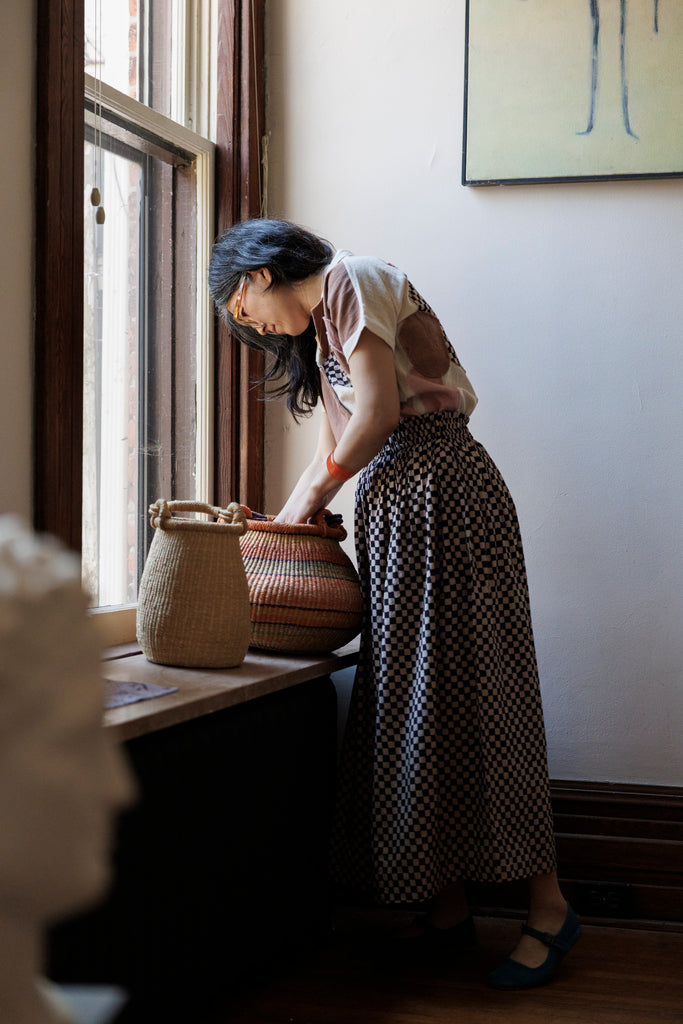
(111, 385)
(141, 279)
(128, 45)
(139, 437)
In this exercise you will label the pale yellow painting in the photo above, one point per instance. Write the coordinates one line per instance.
(573, 89)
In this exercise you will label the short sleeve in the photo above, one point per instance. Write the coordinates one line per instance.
(365, 294)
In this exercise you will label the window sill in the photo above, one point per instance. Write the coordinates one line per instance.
(203, 691)
(115, 625)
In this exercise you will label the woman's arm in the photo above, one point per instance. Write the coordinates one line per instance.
(299, 499)
(376, 402)
(375, 417)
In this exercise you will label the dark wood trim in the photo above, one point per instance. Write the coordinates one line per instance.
(620, 852)
(239, 426)
(58, 381)
(226, 356)
(252, 130)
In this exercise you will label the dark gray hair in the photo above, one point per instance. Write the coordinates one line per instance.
(291, 254)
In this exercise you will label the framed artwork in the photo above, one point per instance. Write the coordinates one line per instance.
(572, 90)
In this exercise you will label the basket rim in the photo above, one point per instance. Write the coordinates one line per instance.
(317, 526)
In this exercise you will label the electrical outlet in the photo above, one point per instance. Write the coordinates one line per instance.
(605, 899)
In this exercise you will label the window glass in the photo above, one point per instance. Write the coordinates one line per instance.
(112, 260)
(128, 45)
(139, 415)
(143, 284)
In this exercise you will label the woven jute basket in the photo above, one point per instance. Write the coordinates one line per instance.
(303, 588)
(193, 601)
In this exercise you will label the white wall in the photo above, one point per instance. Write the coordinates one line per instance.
(565, 304)
(17, 73)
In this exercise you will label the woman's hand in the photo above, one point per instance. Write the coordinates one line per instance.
(304, 503)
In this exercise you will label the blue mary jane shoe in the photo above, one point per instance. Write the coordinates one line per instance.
(511, 974)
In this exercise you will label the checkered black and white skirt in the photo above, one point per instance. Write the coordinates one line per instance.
(443, 773)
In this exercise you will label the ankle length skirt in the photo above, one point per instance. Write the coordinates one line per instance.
(443, 772)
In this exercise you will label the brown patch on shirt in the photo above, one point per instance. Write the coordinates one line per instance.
(421, 338)
(341, 302)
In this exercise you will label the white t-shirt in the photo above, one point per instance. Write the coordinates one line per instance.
(366, 293)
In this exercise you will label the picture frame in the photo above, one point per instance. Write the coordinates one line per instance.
(580, 91)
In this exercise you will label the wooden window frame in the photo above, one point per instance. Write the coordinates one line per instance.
(58, 379)
(173, 386)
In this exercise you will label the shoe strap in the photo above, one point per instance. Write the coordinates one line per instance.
(552, 941)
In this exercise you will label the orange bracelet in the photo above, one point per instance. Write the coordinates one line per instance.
(337, 471)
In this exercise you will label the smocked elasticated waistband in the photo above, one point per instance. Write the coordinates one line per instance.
(420, 429)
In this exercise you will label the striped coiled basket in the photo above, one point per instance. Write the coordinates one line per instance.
(304, 591)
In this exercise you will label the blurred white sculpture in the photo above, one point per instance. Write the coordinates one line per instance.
(61, 777)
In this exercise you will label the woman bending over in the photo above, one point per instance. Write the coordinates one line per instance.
(443, 776)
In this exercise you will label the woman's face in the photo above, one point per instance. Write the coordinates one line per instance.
(278, 310)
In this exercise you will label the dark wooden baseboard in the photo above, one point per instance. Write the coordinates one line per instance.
(620, 852)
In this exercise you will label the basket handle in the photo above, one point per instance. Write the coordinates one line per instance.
(161, 516)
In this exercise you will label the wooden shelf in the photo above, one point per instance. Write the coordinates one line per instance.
(203, 691)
